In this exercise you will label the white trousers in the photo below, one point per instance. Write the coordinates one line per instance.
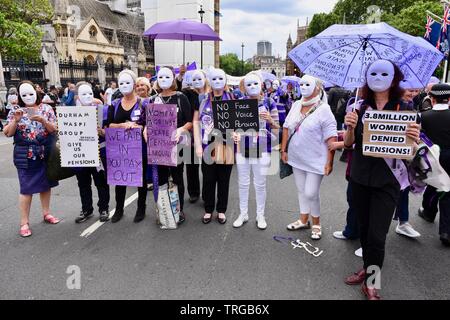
(308, 187)
(260, 168)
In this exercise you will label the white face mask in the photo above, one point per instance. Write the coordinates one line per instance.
(307, 86)
(85, 95)
(126, 84)
(268, 85)
(165, 78)
(28, 94)
(198, 80)
(380, 76)
(218, 79)
(253, 85)
(276, 85)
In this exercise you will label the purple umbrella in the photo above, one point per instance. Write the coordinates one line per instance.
(186, 30)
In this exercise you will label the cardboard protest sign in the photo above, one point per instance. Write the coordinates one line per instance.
(385, 134)
(78, 136)
(124, 157)
(161, 129)
(236, 114)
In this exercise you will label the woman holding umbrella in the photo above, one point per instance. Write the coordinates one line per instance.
(375, 188)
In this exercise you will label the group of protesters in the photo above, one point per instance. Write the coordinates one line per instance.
(307, 130)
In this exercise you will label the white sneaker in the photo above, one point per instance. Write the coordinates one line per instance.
(240, 221)
(407, 230)
(339, 235)
(359, 253)
(261, 223)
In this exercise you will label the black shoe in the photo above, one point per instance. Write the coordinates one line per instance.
(182, 218)
(140, 215)
(104, 216)
(83, 217)
(445, 239)
(117, 216)
(150, 187)
(193, 199)
(423, 215)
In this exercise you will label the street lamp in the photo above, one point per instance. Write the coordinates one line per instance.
(243, 46)
(201, 13)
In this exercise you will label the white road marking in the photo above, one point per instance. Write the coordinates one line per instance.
(86, 233)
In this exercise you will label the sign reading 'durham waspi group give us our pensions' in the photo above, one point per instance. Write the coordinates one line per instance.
(78, 137)
(385, 134)
(161, 130)
(236, 115)
(124, 157)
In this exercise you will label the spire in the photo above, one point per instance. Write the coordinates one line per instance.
(307, 21)
(298, 23)
(115, 39)
(141, 48)
(289, 42)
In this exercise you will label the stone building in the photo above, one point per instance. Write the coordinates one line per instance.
(291, 68)
(265, 61)
(104, 32)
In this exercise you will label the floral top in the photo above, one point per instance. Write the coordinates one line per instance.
(29, 130)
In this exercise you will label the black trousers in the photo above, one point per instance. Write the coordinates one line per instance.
(375, 208)
(121, 193)
(444, 201)
(216, 177)
(193, 176)
(177, 175)
(84, 177)
(430, 203)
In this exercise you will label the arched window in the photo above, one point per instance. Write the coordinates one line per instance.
(90, 59)
(93, 32)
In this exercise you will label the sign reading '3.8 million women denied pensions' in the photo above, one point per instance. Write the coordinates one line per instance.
(78, 137)
(385, 134)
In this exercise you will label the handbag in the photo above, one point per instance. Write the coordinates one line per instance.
(285, 168)
(168, 207)
(53, 163)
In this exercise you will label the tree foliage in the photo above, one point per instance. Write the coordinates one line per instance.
(20, 31)
(232, 65)
(320, 22)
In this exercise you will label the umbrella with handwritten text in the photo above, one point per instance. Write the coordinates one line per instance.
(342, 53)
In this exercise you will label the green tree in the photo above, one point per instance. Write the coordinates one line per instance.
(20, 31)
(412, 20)
(232, 65)
(320, 22)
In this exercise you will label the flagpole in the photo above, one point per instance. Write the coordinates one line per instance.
(445, 4)
(434, 15)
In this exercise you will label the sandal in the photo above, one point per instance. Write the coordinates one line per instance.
(298, 225)
(25, 232)
(48, 218)
(316, 232)
(207, 218)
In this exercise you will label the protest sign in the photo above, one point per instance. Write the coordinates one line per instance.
(161, 129)
(124, 157)
(78, 137)
(385, 134)
(236, 114)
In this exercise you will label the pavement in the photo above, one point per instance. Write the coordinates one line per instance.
(129, 261)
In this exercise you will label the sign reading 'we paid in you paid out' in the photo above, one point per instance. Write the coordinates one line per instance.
(385, 134)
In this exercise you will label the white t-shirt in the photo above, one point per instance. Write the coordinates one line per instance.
(109, 93)
(308, 150)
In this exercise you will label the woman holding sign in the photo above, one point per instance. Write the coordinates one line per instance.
(215, 175)
(374, 185)
(125, 113)
(311, 128)
(32, 124)
(253, 151)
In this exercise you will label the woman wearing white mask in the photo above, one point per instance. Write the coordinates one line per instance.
(200, 89)
(311, 128)
(167, 86)
(253, 152)
(33, 125)
(375, 186)
(216, 176)
(85, 98)
(125, 113)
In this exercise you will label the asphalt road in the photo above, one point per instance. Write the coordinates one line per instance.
(129, 261)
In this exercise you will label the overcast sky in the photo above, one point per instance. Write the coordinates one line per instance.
(249, 21)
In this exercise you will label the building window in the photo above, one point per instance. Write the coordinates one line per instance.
(93, 32)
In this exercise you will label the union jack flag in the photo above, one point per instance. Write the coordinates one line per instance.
(446, 19)
(430, 22)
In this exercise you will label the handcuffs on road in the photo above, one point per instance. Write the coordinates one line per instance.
(298, 244)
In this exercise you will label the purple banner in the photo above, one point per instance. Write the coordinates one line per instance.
(124, 157)
(190, 67)
(161, 127)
